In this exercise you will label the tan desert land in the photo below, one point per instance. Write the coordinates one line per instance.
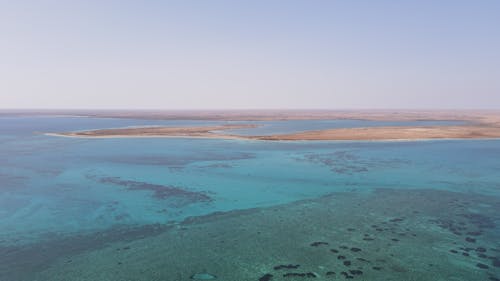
(394, 133)
(477, 125)
(480, 116)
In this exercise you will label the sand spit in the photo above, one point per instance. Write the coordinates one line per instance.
(148, 132)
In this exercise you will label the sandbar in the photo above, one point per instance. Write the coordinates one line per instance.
(477, 125)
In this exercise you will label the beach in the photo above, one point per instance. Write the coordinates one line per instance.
(476, 125)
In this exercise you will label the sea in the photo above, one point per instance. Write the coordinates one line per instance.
(174, 209)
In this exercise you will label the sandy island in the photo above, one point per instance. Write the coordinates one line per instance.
(158, 131)
(393, 133)
(478, 125)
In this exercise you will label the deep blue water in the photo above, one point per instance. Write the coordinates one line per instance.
(68, 185)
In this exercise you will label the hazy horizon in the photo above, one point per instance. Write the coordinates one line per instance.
(5, 109)
(237, 55)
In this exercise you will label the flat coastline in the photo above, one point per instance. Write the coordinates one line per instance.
(477, 125)
(158, 131)
(480, 116)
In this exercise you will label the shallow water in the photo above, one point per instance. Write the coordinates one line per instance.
(149, 209)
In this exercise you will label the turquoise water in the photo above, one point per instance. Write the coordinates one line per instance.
(54, 190)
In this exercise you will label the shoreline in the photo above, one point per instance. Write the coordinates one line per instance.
(477, 125)
(64, 135)
(227, 137)
(351, 134)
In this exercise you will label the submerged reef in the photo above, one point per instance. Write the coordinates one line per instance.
(316, 244)
(349, 162)
(295, 274)
(286, 266)
(180, 161)
(178, 196)
(266, 277)
(249, 245)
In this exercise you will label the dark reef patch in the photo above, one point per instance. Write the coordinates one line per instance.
(346, 275)
(180, 161)
(348, 163)
(356, 272)
(296, 274)
(495, 262)
(470, 240)
(286, 266)
(180, 197)
(482, 265)
(480, 249)
(316, 244)
(480, 221)
(266, 277)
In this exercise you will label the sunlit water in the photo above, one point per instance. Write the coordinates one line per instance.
(66, 192)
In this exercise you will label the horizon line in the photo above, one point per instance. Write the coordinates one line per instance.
(249, 109)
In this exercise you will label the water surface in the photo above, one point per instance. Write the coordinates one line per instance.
(72, 196)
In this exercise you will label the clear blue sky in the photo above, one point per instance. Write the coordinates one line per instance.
(250, 54)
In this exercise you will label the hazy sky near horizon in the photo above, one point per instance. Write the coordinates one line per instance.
(250, 54)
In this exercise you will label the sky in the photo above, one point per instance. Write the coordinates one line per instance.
(237, 54)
